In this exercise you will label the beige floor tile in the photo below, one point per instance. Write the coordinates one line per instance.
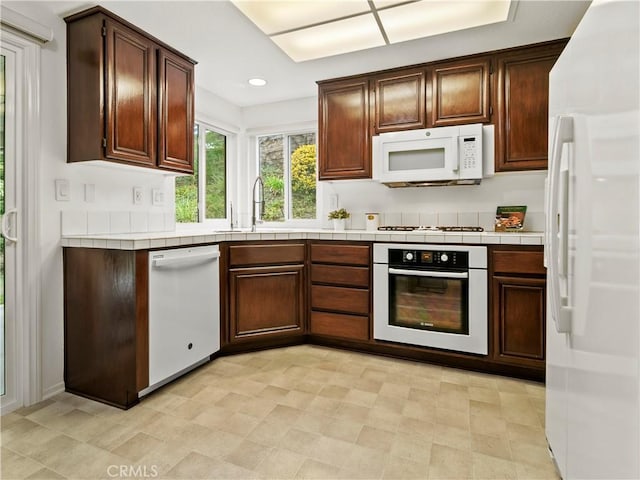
(297, 399)
(491, 468)
(376, 438)
(367, 384)
(248, 454)
(536, 472)
(450, 463)
(364, 461)
(342, 430)
(401, 468)
(327, 406)
(299, 441)
(483, 394)
(395, 390)
(196, 466)
(522, 452)
(414, 427)
(280, 463)
(488, 425)
(314, 469)
(391, 404)
(26, 411)
(419, 410)
(137, 447)
(384, 419)
(527, 434)
(239, 424)
(349, 411)
(454, 400)
(412, 447)
(232, 401)
(360, 397)
(43, 474)
(453, 437)
(213, 443)
(484, 408)
(494, 446)
(163, 458)
(452, 418)
(283, 415)
(332, 451)
(13, 465)
(115, 434)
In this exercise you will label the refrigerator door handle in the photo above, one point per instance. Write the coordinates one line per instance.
(557, 224)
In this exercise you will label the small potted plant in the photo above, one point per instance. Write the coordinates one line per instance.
(338, 217)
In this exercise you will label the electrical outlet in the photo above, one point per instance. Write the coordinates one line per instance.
(137, 195)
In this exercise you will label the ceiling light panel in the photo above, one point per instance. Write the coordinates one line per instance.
(343, 36)
(434, 17)
(282, 16)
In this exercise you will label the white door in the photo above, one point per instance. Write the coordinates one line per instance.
(10, 377)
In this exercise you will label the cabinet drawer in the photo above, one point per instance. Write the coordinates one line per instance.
(514, 261)
(343, 254)
(247, 255)
(338, 325)
(340, 275)
(340, 299)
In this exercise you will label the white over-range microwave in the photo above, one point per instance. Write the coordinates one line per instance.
(459, 155)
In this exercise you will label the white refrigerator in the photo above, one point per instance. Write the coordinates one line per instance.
(592, 248)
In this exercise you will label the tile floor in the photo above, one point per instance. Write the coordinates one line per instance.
(297, 412)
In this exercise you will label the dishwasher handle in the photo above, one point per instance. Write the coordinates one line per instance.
(428, 273)
(185, 260)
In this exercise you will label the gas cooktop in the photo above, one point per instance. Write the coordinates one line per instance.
(408, 228)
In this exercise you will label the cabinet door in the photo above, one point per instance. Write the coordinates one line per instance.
(523, 108)
(266, 301)
(175, 121)
(130, 96)
(519, 320)
(344, 130)
(461, 92)
(400, 101)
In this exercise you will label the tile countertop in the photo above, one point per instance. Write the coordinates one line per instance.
(143, 241)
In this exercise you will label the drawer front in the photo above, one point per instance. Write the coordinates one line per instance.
(342, 254)
(338, 325)
(514, 261)
(247, 255)
(340, 275)
(340, 299)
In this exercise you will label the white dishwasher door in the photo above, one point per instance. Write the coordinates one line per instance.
(184, 310)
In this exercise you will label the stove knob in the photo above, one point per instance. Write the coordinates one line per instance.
(408, 256)
(444, 257)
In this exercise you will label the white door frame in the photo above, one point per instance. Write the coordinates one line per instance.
(27, 371)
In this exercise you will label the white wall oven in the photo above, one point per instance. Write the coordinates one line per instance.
(431, 295)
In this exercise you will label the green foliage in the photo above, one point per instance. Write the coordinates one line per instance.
(187, 199)
(303, 182)
(337, 214)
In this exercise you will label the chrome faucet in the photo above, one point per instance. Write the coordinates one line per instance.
(260, 201)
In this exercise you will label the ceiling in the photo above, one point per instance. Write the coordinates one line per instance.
(230, 49)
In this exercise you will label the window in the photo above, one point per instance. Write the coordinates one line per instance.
(287, 165)
(203, 195)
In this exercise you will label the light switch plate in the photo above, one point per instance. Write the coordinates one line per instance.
(157, 196)
(89, 192)
(333, 202)
(63, 193)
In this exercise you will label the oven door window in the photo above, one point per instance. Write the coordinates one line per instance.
(423, 302)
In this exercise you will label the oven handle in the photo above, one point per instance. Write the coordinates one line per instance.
(428, 273)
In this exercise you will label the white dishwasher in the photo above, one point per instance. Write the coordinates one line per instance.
(184, 311)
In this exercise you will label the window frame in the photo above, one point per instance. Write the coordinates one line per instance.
(230, 153)
(254, 148)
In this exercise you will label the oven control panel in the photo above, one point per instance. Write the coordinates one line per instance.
(429, 258)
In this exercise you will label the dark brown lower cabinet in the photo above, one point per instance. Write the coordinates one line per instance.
(518, 301)
(340, 290)
(266, 301)
(105, 329)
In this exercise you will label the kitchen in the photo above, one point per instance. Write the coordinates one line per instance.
(113, 195)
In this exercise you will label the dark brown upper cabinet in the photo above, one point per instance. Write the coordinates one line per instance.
(130, 97)
(461, 92)
(344, 129)
(522, 93)
(400, 100)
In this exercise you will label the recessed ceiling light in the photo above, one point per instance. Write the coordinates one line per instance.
(257, 82)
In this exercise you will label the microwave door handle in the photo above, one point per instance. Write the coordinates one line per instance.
(453, 157)
(428, 273)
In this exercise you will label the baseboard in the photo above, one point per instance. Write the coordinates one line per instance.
(52, 390)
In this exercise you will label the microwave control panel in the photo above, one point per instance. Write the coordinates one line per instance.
(470, 151)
